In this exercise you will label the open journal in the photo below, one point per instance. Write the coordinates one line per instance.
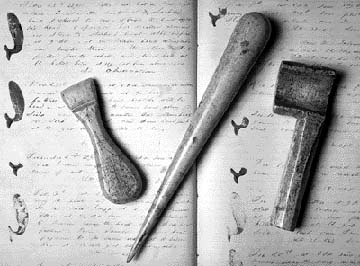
(152, 60)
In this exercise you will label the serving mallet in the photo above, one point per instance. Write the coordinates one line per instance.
(302, 91)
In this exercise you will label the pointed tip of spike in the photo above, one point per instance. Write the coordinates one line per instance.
(133, 252)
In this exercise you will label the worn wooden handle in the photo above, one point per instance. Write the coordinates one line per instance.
(119, 179)
(296, 172)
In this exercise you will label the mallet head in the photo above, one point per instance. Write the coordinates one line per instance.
(302, 88)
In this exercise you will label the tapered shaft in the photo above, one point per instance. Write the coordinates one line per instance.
(245, 45)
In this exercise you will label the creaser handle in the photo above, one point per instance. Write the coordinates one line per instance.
(119, 179)
(297, 170)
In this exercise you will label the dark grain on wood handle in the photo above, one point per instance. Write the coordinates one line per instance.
(296, 172)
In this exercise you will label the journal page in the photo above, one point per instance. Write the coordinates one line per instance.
(240, 172)
(141, 55)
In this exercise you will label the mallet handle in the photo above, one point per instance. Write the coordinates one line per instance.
(296, 171)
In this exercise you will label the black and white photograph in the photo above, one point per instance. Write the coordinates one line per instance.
(180, 133)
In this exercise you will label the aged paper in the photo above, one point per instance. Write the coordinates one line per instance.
(233, 217)
(142, 55)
